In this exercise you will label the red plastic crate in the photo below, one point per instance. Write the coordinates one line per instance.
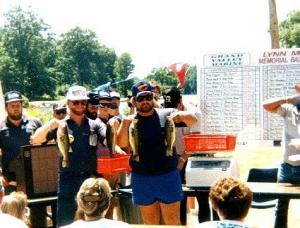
(115, 165)
(209, 142)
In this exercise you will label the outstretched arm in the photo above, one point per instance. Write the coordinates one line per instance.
(40, 135)
(273, 104)
(189, 118)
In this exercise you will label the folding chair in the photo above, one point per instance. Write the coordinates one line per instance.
(263, 175)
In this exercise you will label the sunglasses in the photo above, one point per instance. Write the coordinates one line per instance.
(142, 98)
(59, 112)
(83, 102)
(103, 105)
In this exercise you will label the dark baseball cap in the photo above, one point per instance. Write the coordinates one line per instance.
(172, 97)
(141, 88)
(94, 98)
(12, 96)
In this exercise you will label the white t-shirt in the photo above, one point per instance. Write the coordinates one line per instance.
(7, 220)
(223, 224)
(103, 223)
(291, 131)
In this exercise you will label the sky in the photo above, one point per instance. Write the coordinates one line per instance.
(157, 33)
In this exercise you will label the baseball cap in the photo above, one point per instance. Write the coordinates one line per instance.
(140, 88)
(59, 106)
(12, 96)
(172, 97)
(77, 93)
(93, 98)
(115, 94)
(103, 95)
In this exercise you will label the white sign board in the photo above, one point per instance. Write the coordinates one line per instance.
(234, 85)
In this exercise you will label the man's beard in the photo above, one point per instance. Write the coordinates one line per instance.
(91, 115)
(15, 117)
(147, 107)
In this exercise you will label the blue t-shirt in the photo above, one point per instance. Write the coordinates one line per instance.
(83, 159)
(152, 148)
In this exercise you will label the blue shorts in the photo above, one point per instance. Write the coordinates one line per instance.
(165, 188)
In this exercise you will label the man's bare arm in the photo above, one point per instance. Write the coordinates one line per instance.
(186, 117)
(273, 104)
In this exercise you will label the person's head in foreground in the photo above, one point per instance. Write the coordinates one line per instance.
(230, 198)
(15, 204)
(93, 198)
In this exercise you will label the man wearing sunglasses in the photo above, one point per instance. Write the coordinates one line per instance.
(84, 134)
(104, 106)
(155, 179)
(105, 114)
(115, 104)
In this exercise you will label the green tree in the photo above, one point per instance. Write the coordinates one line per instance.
(106, 65)
(164, 77)
(78, 51)
(190, 86)
(123, 68)
(83, 60)
(27, 53)
(290, 30)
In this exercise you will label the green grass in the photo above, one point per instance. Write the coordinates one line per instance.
(258, 156)
(43, 114)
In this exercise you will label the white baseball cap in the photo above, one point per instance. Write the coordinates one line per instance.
(114, 94)
(77, 93)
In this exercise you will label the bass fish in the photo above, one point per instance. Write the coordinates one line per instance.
(134, 139)
(170, 135)
(64, 141)
(111, 135)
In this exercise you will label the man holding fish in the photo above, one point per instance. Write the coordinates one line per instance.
(77, 138)
(150, 133)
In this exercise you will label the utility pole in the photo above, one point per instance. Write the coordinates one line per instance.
(274, 25)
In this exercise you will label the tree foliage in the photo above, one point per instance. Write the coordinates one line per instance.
(290, 30)
(123, 68)
(79, 53)
(27, 53)
(190, 86)
(166, 79)
(37, 64)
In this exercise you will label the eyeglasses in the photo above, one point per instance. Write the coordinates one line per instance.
(59, 112)
(147, 98)
(103, 105)
(83, 102)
